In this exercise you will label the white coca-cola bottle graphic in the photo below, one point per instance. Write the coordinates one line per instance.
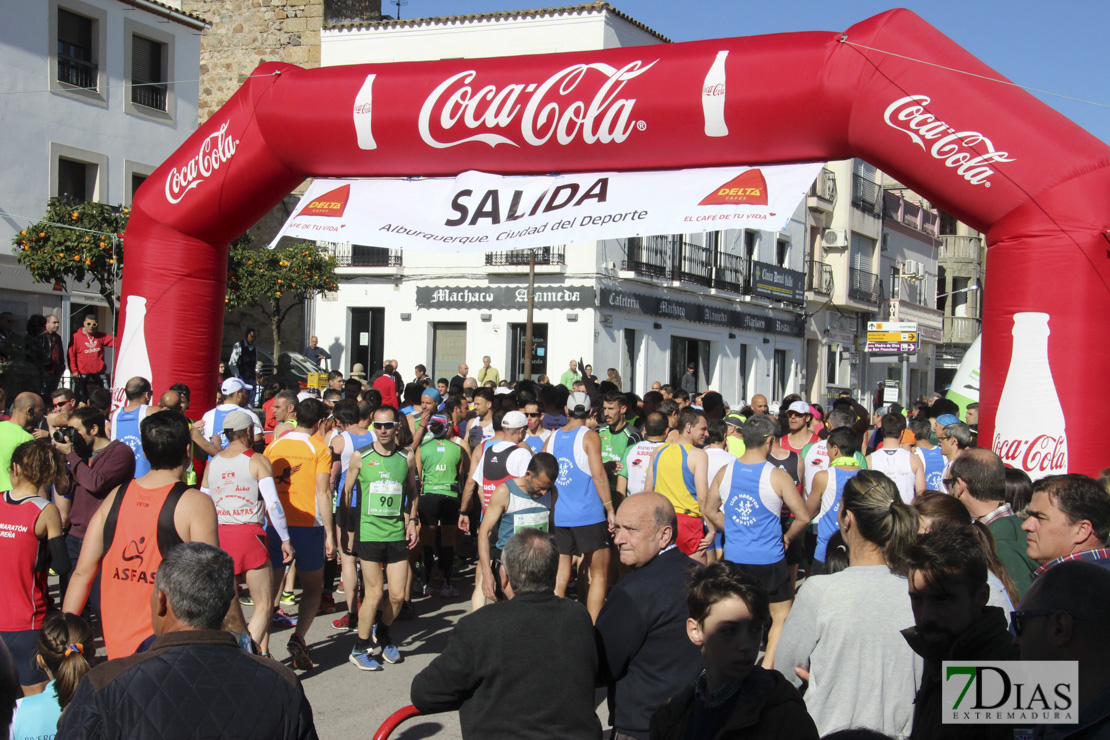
(1029, 428)
(131, 359)
(363, 114)
(713, 98)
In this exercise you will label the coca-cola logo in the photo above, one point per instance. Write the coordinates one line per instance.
(214, 151)
(713, 91)
(957, 149)
(1043, 454)
(555, 107)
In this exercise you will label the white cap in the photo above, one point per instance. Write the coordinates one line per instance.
(232, 385)
(577, 399)
(800, 407)
(514, 420)
(303, 396)
(502, 390)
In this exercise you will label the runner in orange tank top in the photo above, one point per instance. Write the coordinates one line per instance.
(134, 528)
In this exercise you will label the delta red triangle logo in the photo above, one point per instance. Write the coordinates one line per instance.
(749, 188)
(329, 204)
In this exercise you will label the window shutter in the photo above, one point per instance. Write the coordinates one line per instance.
(74, 29)
(146, 61)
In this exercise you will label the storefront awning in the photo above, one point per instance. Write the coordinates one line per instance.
(479, 211)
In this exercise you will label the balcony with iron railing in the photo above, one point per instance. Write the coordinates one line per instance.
(673, 259)
(730, 273)
(954, 247)
(864, 286)
(522, 257)
(867, 195)
(150, 95)
(819, 278)
(77, 71)
(908, 213)
(961, 329)
(359, 255)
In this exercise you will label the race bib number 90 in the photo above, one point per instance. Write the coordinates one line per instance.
(384, 498)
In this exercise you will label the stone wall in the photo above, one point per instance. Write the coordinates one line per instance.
(244, 34)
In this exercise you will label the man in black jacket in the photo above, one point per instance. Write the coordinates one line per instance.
(522, 668)
(948, 593)
(194, 681)
(645, 655)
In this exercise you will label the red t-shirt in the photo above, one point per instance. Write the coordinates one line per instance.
(86, 352)
(388, 389)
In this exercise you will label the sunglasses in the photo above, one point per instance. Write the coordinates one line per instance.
(381, 425)
(533, 416)
(950, 483)
(1018, 619)
(91, 324)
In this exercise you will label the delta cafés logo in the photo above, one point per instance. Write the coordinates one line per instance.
(1010, 692)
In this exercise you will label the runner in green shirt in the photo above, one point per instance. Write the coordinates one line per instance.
(386, 530)
(440, 465)
(617, 437)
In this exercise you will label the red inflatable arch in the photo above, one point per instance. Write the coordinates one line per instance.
(989, 153)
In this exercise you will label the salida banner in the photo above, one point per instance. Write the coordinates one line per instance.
(479, 211)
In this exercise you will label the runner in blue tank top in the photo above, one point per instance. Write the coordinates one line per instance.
(935, 461)
(126, 420)
(584, 510)
(746, 498)
(526, 502)
(828, 488)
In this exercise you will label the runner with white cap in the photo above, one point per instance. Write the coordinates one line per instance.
(798, 417)
(241, 485)
(503, 457)
(234, 395)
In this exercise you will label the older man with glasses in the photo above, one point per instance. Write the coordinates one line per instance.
(86, 357)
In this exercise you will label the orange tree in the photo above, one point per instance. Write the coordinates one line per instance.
(78, 242)
(277, 281)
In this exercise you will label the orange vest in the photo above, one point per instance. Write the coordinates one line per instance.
(138, 531)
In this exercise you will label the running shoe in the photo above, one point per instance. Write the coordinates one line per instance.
(327, 603)
(288, 598)
(447, 591)
(363, 661)
(246, 600)
(298, 651)
(282, 620)
(346, 623)
(339, 588)
(390, 653)
(424, 589)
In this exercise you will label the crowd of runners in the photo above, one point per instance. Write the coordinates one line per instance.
(744, 569)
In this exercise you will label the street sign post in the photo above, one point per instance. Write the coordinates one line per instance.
(895, 338)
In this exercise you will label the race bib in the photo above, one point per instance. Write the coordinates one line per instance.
(384, 498)
(536, 520)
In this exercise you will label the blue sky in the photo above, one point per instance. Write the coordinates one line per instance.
(1055, 46)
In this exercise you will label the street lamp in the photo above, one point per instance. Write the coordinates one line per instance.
(973, 286)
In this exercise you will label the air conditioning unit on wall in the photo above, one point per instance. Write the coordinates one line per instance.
(834, 239)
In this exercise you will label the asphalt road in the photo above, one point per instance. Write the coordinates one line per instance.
(349, 703)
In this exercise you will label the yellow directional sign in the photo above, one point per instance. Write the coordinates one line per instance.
(891, 336)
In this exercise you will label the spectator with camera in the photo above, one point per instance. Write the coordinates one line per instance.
(97, 465)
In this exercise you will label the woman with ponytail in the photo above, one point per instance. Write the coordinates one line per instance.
(33, 542)
(65, 648)
(843, 635)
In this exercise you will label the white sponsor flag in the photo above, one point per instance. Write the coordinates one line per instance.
(478, 211)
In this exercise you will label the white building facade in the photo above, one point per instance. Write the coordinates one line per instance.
(90, 110)
(729, 302)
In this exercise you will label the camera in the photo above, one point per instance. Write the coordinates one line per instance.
(64, 435)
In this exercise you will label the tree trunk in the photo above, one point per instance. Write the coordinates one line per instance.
(275, 327)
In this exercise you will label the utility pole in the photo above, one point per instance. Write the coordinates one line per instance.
(531, 305)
